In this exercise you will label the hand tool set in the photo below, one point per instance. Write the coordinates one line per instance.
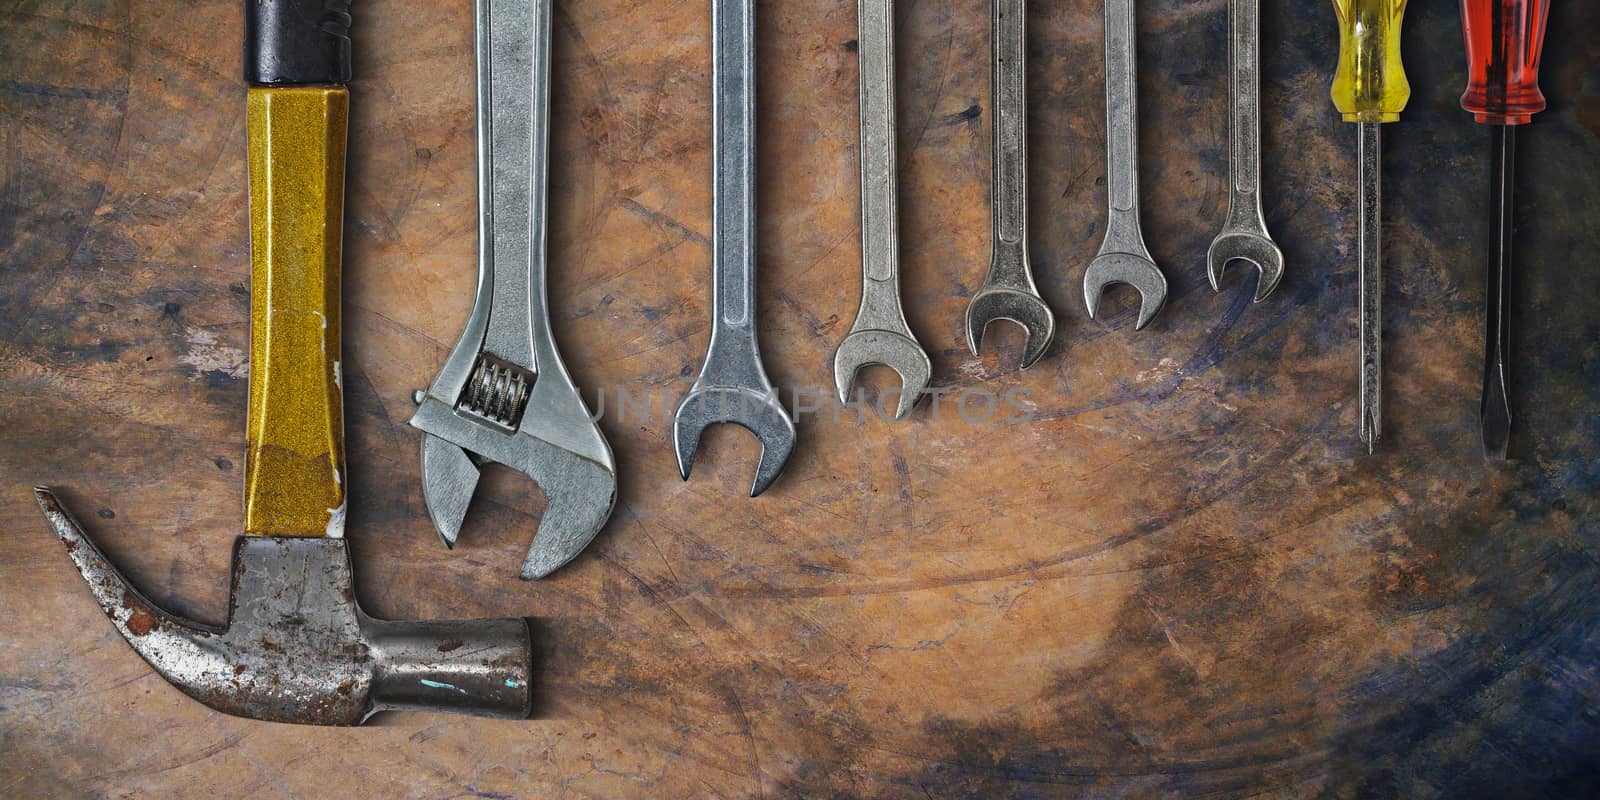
(298, 648)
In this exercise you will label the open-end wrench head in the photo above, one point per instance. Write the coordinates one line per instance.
(1136, 271)
(297, 647)
(893, 350)
(1259, 250)
(761, 414)
(1027, 310)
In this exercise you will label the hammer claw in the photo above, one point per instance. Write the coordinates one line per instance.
(309, 656)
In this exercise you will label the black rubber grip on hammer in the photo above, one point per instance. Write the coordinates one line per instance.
(296, 42)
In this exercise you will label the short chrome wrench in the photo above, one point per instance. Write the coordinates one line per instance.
(1244, 234)
(1123, 257)
(503, 395)
(880, 334)
(733, 385)
(1008, 290)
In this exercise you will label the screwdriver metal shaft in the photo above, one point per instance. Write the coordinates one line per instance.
(1494, 413)
(1369, 153)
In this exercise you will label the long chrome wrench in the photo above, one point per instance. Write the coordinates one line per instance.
(1123, 257)
(1244, 234)
(880, 334)
(1008, 291)
(504, 396)
(733, 385)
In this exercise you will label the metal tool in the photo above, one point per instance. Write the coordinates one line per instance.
(504, 396)
(297, 647)
(1008, 291)
(1504, 39)
(880, 334)
(1370, 89)
(1244, 234)
(733, 385)
(1123, 257)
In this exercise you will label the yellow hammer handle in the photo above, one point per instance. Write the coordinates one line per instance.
(294, 462)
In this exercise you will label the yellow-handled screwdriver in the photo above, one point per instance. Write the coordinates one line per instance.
(1370, 89)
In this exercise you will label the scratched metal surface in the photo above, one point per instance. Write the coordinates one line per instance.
(1181, 578)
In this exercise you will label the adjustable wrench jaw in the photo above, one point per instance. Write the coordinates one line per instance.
(556, 443)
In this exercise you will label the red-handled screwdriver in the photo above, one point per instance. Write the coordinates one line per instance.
(1504, 38)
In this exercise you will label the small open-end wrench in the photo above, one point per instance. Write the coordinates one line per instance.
(503, 395)
(880, 334)
(733, 385)
(1123, 257)
(1244, 234)
(1008, 290)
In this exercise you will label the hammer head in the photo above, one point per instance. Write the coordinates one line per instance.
(298, 648)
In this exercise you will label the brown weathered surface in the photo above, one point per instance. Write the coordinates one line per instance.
(1181, 577)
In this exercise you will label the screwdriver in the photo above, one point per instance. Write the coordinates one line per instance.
(1369, 89)
(1504, 38)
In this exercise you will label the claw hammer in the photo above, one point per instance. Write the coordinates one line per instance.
(297, 647)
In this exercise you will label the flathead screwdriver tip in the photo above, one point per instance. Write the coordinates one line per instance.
(1495, 420)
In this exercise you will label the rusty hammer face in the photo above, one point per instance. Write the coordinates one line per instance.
(297, 647)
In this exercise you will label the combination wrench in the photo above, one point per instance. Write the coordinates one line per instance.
(1123, 257)
(1008, 290)
(503, 395)
(733, 385)
(1244, 234)
(880, 334)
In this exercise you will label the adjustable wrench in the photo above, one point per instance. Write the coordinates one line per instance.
(1008, 290)
(1244, 234)
(880, 334)
(1123, 257)
(503, 395)
(733, 385)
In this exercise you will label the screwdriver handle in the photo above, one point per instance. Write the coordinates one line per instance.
(1370, 85)
(1504, 38)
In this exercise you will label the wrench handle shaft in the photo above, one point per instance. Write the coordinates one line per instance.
(733, 90)
(1122, 113)
(513, 137)
(1009, 126)
(880, 256)
(1244, 83)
